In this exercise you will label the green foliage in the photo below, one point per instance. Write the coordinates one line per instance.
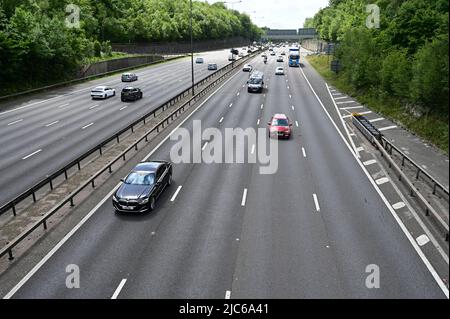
(97, 49)
(429, 86)
(405, 59)
(36, 46)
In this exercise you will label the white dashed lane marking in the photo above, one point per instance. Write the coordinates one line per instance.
(244, 197)
(369, 162)
(52, 123)
(119, 289)
(382, 180)
(398, 205)
(86, 126)
(15, 122)
(176, 193)
(387, 128)
(34, 153)
(316, 202)
(377, 119)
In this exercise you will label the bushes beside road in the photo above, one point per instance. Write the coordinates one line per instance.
(400, 67)
(38, 47)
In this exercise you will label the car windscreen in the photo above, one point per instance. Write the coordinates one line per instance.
(294, 56)
(280, 122)
(255, 80)
(128, 90)
(140, 178)
(98, 90)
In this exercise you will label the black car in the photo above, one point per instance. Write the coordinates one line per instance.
(142, 187)
(131, 94)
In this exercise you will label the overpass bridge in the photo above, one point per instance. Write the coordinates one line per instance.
(289, 34)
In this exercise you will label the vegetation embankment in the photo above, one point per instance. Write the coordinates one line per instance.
(399, 68)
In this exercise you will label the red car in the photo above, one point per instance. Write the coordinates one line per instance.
(280, 126)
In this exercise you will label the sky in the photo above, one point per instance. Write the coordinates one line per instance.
(277, 14)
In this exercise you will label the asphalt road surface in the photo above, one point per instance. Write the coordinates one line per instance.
(313, 229)
(42, 133)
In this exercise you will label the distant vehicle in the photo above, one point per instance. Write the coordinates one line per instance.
(247, 68)
(283, 53)
(131, 94)
(279, 71)
(294, 57)
(199, 60)
(212, 66)
(272, 53)
(256, 82)
(280, 59)
(231, 57)
(264, 55)
(142, 187)
(129, 77)
(279, 126)
(102, 92)
(270, 49)
(241, 54)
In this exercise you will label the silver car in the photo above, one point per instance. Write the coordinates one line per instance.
(129, 77)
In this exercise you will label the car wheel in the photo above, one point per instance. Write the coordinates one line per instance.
(152, 203)
(169, 181)
(114, 93)
(142, 95)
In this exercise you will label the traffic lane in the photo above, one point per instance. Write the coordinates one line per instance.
(54, 96)
(283, 238)
(85, 247)
(155, 82)
(57, 139)
(67, 120)
(194, 250)
(361, 229)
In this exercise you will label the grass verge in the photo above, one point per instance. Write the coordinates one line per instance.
(433, 128)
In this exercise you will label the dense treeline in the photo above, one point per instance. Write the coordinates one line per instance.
(406, 57)
(37, 46)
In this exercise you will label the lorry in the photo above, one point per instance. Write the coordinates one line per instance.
(294, 57)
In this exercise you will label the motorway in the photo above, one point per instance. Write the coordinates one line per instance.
(42, 133)
(225, 231)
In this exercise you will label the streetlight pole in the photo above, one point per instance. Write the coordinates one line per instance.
(232, 49)
(192, 47)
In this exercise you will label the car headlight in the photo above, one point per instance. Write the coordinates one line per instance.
(143, 200)
(115, 198)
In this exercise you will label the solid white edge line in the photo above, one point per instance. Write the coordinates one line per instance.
(244, 197)
(402, 226)
(337, 110)
(176, 193)
(119, 289)
(85, 219)
(316, 202)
